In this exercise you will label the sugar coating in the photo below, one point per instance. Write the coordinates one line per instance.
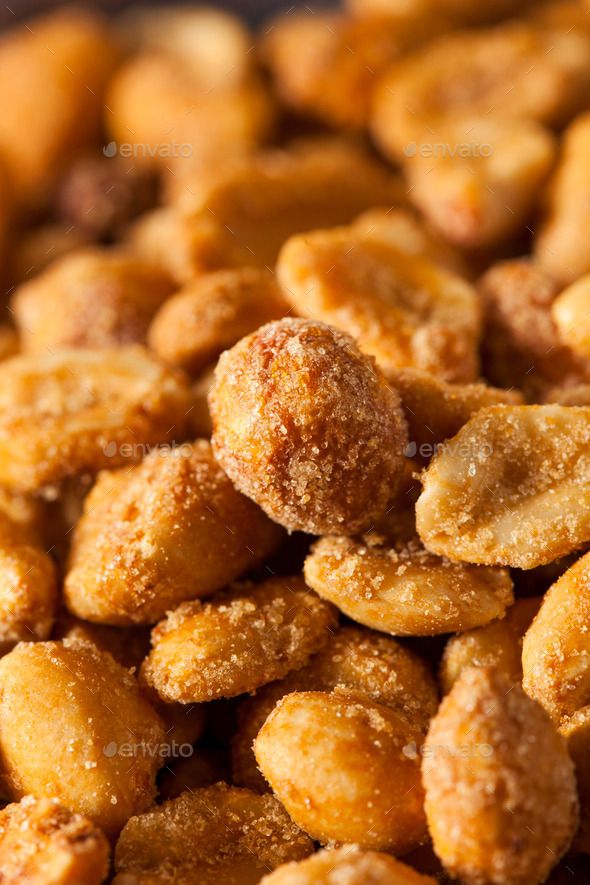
(348, 865)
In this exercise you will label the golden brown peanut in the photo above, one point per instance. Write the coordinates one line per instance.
(556, 648)
(521, 343)
(461, 12)
(28, 587)
(571, 315)
(509, 488)
(576, 731)
(403, 589)
(347, 865)
(516, 71)
(43, 843)
(305, 425)
(497, 644)
(53, 72)
(476, 181)
(90, 298)
(38, 247)
(560, 246)
(501, 796)
(211, 314)
(216, 835)
(244, 214)
(436, 410)
(171, 529)
(402, 309)
(242, 639)
(373, 665)
(104, 738)
(204, 767)
(345, 768)
(78, 411)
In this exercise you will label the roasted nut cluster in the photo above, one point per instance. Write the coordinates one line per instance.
(295, 445)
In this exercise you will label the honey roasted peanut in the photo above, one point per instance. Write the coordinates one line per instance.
(349, 865)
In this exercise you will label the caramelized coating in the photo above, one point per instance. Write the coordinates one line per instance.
(216, 835)
(44, 843)
(78, 411)
(305, 426)
(104, 738)
(571, 315)
(90, 298)
(348, 865)
(359, 660)
(515, 71)
(521, 343)
(53, 73)
(403, 589)
(436, 410)
(171, 529)
(501, 796)
(211, 314)
(478, 183)
(509, 488)
(239, 641)
(243, 215)
(560, 247)
(345, 768)
(497, 644)
(28, 587)
(576, 731)
(402, 309)
(556, 648)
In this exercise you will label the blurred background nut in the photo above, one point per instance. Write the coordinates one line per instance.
(571, 314)
(171, 529)
(39, 246)
(305, 425)
(576, 731)
(90, 298)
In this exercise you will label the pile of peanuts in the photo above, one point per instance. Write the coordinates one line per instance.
(295, 446)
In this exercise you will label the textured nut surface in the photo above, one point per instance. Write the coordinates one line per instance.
(403, 589)
(345, 768)
(43, 842)
(217, 834)
(78, 411)
(402, 309)
(501, 795)
(239, 641)
(104, 737)
(509, 489)
(348, 865)
(306, 426)
(171, 529)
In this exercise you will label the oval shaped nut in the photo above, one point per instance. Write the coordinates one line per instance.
(571, 314)
(217, 834)
(347, 864)
(576, 731)
(78, 411)
(89, 298)
(104, 738)
(501, 796)
(509, 488)
(43, 842)
(212, 313)
(403, 589)
(28, 587)
(239, 641)
(369, 663)
(402, 309)
(497, 644)
(171, 529)
(556, 647)
(305, 425)
(346, 769)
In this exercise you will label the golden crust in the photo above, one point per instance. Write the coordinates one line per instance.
(240, 640)
(171, 529)
(500, 789)
(348, 865)
(305, 425)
